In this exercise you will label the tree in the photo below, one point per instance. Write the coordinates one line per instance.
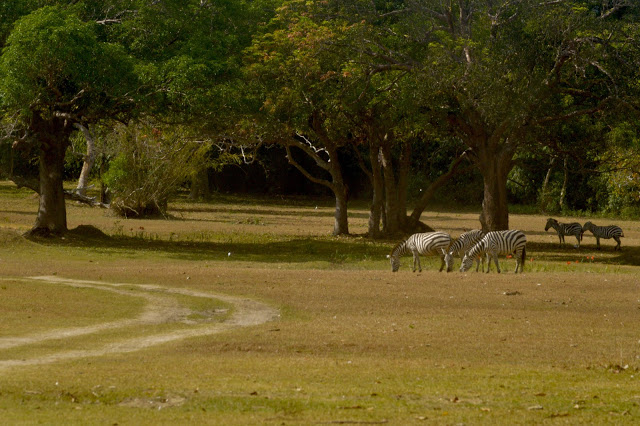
(83, 62)
(315, 66)
(301, 87)
(88, 160)
(54, 74)
(192, 54)
(496, 71)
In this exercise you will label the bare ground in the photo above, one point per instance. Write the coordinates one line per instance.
(161, 308)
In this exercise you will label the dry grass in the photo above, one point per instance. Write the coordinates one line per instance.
(354, 343)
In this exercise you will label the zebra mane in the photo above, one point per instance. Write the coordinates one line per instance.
(399, 248)
(477, 248)
(464, 240)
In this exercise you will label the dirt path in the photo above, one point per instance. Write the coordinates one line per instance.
(161, 308)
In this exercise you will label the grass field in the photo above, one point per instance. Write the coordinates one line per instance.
(246, 311)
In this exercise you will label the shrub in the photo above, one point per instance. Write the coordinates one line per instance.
(150, 165)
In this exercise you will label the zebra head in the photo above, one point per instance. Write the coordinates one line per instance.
(395, 262)
(467, 262)
(550, 223)
(448, 260)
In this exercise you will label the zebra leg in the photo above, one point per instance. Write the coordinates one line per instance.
(416, 259)
(619, 242)
(597, 243)
(561, 238)
(578, 238)
(495, 259)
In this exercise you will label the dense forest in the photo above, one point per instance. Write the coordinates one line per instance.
(403, 103)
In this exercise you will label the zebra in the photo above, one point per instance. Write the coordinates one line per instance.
(606, 232)
(495, 243)
(425, 243)
(573, 228)
(464, 242)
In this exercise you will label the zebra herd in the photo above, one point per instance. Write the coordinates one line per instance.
(574, 228)
(477, 245)
(472, 245)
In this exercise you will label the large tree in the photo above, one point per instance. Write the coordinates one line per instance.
(324, 90)
(69, 66)
(496, 70)
(55, 74)
(301, 87)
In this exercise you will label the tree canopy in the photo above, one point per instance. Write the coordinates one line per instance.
(507, 87)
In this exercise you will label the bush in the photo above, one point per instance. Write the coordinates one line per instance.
(149, 167)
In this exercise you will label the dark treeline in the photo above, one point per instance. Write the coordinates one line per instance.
(405, 104)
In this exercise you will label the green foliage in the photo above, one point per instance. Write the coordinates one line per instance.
(242, 68)
(10, 11)
(54, 63)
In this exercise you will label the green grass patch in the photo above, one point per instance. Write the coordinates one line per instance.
(31, 307)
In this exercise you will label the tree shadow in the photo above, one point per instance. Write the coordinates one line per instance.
(303, 250)
(300, 250)
(554, 252)
(257, 212)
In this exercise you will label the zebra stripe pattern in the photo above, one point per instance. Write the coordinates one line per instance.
(606, 232)
(459, 248)
(563, 229)
(421, 244)
(496, 243)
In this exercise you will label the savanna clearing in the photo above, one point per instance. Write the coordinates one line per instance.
(246, 311)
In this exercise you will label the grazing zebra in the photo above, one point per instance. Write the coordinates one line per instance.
(606, 232)
(495, 243)
(464, 242)
(417, 244)
(573, 228)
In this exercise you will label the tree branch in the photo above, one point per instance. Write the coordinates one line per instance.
(302, 170)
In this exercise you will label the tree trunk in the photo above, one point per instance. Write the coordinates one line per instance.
(391, 191)
(89, 159)
(52, 213)
(336, 184)
(404, 167)
(563, 191)
(544, 198)
(341, 222)
(377, 203)
(495, 210)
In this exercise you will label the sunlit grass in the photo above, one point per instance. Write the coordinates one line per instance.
(353, 343)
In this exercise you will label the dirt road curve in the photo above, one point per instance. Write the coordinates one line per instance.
(161, 308)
